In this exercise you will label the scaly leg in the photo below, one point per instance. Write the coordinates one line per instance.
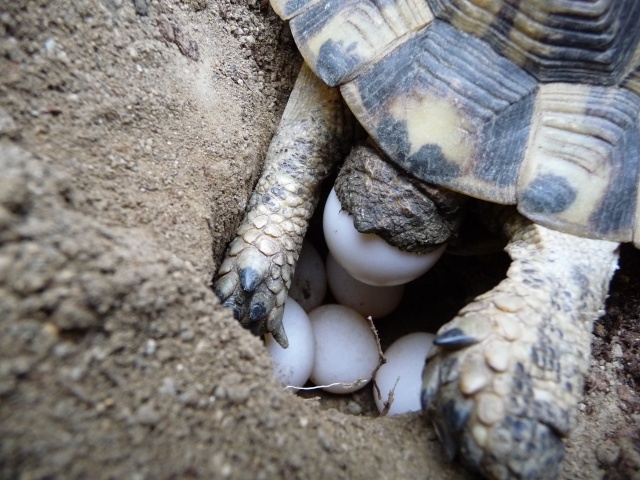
(503, 384)
(255, 276)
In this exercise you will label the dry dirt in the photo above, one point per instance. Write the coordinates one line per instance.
(131, 134)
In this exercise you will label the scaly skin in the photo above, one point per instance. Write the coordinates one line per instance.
(255, 276)
(502, 386)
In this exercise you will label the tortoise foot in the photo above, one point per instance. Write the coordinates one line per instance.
(503, 383)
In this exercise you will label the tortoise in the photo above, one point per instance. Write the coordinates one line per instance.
(530, 107)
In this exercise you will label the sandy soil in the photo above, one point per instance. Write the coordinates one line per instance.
(131, 134)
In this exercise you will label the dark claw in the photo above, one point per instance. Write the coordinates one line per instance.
(249, 279)
(455, 414)
(225, 285)
(220, 295)
(280, 336)
(450, 446)
(454, 339)
(237, 311)
(256, 328)
(260, 306)
(427, 396)
(257, 311)
(275, 318)
(449, 419)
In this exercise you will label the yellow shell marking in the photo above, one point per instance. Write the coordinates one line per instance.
(435, 120)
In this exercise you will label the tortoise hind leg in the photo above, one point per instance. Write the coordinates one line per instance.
(255, 275)
(503, 384)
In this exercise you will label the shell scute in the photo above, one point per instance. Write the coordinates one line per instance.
(531, 103)
(561, 41)
(580, 172)
(448, 120)
(339, 39)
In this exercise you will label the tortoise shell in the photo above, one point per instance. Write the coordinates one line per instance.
(530, 103)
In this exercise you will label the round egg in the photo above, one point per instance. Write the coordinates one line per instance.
(292, 366)
(367, 257)
(309, 283)
(346, 349)
(402, 373)
(368, 300)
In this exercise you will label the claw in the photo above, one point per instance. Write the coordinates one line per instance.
(428, 394)
(256, 328)
(249, 279)
(253, 267)
(275, 318)
(279, 335)
(261, 304)
(454, 339)
(450, 445)
(257, 310)
(237, 310)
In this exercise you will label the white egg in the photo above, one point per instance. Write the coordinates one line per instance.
(292, 366)
(346, 349)
(365, 299)
(309, 284)
(366, 256)
(405, 362)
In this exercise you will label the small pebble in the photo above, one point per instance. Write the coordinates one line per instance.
(150, 347)
(616, 351)
(354, 408)
(607, 453)
(147, 415)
